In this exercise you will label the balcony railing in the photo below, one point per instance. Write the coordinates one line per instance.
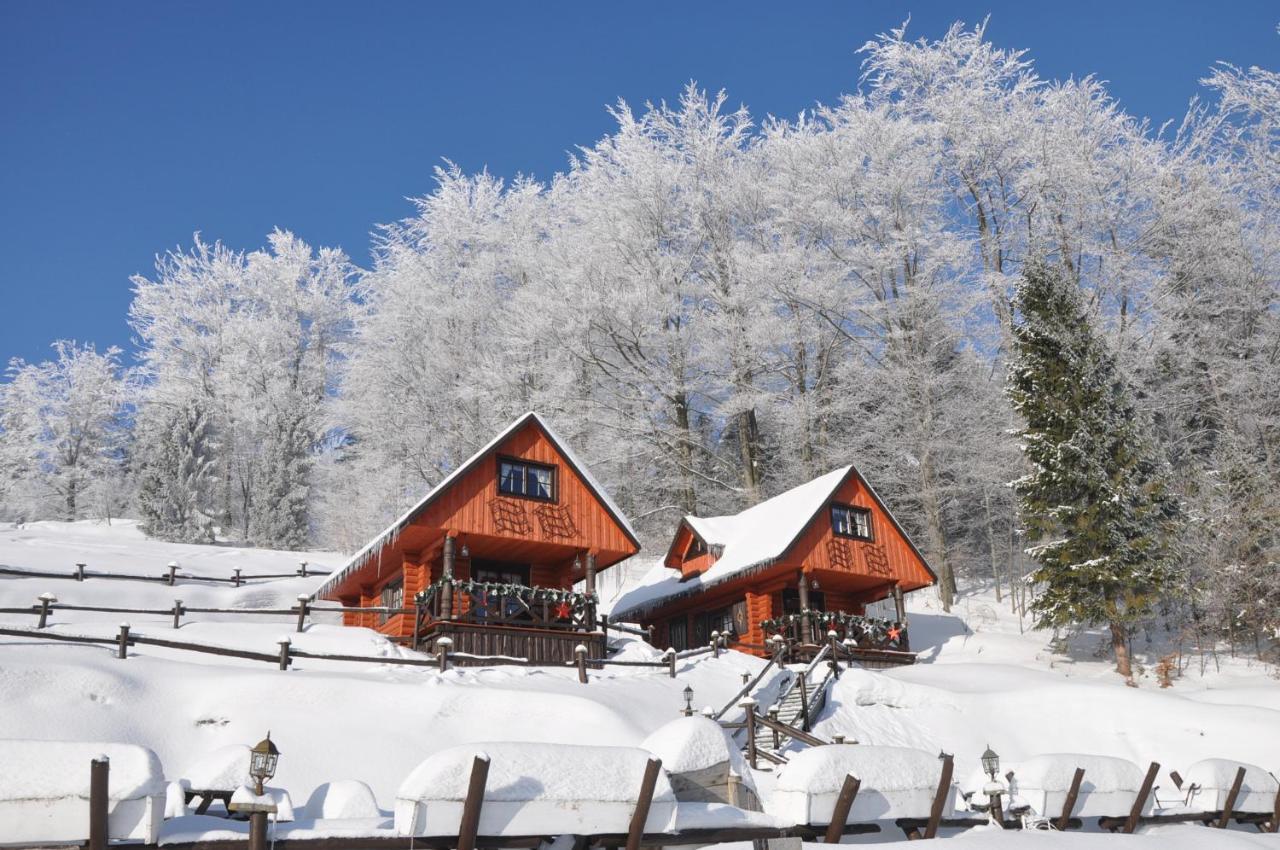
(495, 604)
(852, 630)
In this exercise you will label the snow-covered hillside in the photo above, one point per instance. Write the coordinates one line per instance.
(981, 681)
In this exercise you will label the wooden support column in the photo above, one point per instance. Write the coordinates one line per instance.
(844, 803)
(806, 629)
(1232, 796)
(471, 807)
(940, 797)
(643, 801)
(446, 590)
(1064, 819)
(1135, 814)
(99, 771)
(590, 581)
(900, 604)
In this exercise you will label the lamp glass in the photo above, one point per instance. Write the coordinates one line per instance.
(991, 762)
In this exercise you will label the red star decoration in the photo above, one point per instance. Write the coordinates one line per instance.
(894, 631)
(563, 610)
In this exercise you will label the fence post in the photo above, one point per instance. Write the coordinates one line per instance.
(99, 778)
(715, 644)
(177, 612)
(835, 652)
(442, 652)
(123, 640)
(773, 715)
(474, 801)
(804, 700)
(671, 662)
(1064, 819)
(580, 653)
(750, 706)
(235, 579)
(837, 739)
(604, 630)
(302, 569)
(173, 572)
(285, 643)
(1232, 795)
(844, 802)
(940, 798)
(45, 600)
(79, 572)
(641, 814)
(302, 609)
(1135, 814)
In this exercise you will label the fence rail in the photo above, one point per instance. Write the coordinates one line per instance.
(172, 576)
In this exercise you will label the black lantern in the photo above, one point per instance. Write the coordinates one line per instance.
(991, 762)
(262, 761)
(688, 701)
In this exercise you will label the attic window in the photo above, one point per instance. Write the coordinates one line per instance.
(696, 548)
(851, 522)
(526, 479)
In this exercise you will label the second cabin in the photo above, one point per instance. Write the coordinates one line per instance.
(800, 564)
(489, 558)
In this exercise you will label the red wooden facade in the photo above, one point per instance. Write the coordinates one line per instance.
(818, 570)
(469, 527)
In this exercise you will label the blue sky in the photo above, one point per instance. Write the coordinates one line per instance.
(124, 127)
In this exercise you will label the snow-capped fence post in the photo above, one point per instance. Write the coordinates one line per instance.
(442, 652)
(79, 574)
(123, 640)
(1064, 819)
(580, 655)
(844, 802)
(1232, 795)
(99, 778)
(303, 599)
(671, 662)
(1135, 814)
(177, 612)
(604, 628)
(835, 652)
(940, 796)
(235, 579)
(837, 739)
(173, 573)
(45, 600)
(715, 644)
(471, 806)
(650, 781)
(750, 706)
(302, 569)
(773, 715)
(285, 644)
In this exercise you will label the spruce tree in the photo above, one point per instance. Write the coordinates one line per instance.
(1095, 501)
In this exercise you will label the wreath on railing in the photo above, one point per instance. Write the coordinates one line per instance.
(854, 626)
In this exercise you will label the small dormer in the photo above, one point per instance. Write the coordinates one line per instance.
(689, 553)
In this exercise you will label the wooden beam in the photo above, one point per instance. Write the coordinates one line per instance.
(1135, 814)
(471, 807)
(1064, 819)
(1232, 795)
(99, 777)
(643, 801)
(940, 797)
(844, 802)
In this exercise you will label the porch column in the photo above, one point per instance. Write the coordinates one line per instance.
(446, 573)
(900, 604)
(590, 585)
(806, 631)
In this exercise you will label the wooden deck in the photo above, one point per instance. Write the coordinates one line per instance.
(538, 646)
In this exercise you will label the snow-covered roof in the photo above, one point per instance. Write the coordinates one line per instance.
(821, 770)
(756, 537)
(52, 770)
(688, 744)
(391, 532)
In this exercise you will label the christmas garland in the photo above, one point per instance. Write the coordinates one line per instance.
(484, 589)
(854, 626)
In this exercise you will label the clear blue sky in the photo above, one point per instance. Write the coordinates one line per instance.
(124, 127)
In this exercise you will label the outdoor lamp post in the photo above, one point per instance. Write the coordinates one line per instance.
(688, 701)
(993, 789)
(262, 762)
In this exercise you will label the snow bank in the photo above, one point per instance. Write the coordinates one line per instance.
(346, 798)
(693, 743)
(897, 782)
(44, 791)
(1215, 777)
(1109, 788)
(533, 789)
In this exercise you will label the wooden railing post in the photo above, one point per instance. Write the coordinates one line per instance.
(123, 641)
(442, 652)
(940, 797)
(173, 573)
(715, 644)
(99, 781)
(1232, 795)
(303, 599)
(804, 700)
(177, 613)
(643, 802)
(844, 802)
(235, 579)
(834, 649)
(750, 706)
(284, 643)
(1135, 814)
(671, 662)
(80, 572)
(1069, 804)
(777, 738)
(474, 802)
(580, 654)
(302, 569)
(46, 600)
(604, 629)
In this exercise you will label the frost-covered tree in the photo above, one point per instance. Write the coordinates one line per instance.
(174, 472)
(1095, 502)
(63, 428)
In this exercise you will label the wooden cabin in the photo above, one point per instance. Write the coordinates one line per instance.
(800, 564)
(490, 557)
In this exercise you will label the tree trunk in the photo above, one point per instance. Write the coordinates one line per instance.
(1120, 645)
(991, 540)
(749, 449)
(684, 441)
(935, 534)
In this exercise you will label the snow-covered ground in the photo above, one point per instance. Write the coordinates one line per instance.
(982, 681)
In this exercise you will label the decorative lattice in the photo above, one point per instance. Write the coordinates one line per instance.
(510, 516)
(841, 556)
(556, 521)
(877, 560)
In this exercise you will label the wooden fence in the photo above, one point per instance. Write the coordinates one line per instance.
(171, 576)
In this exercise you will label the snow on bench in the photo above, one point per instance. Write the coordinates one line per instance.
(44, 791)
(1042, 782)
(897, 782)
(1215, 777)
(702, 762)
(534, 789)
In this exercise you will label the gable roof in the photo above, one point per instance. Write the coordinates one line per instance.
(391, 532)
(749, 541)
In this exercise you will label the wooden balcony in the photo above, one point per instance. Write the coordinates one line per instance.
(871, 642)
